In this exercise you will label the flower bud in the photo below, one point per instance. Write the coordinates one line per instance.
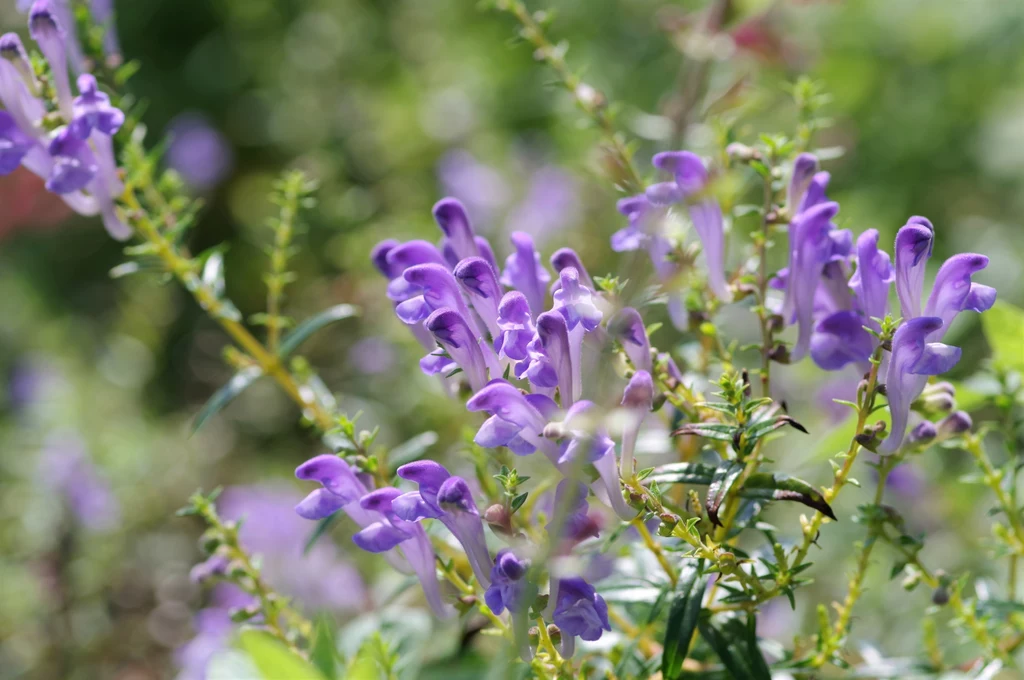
(940, 596)
(954, 424)
(554, 633)
(498, 518)
(924, 433)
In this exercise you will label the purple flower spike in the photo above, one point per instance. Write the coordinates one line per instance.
(451, 216)
(516, 327)
(438, 288)
(804, 168)
(379, 257)
(452, 332)
(14, 144)
(575, 302)
(92, 110)
(507, 584)
(554, 339)
(529, 414)
(74, 164)
(913, 360)
(871, 280)
(913, 248)
(567, 257)
(579, 611)
(954, 292)
(810, 249)
(479, 280)
(51, 37)
(687, 167)
(638, 399)
(840, 339)
(334, 474)
(524, 272)
(628, 328)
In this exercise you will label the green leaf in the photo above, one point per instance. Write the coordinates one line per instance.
(683, 473)
(720, 431)
(1004, 328)
(274, 660)
(781, 487)
(321, 528)
(724, 479)
(226, 394)
(411, 449)
(735, 643)
(304, 330)
(518, 501)
(324, 652)
(682, 619)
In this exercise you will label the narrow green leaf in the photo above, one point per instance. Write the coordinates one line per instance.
(735, 643)
(412, 449)
(274, 660)
(719, 431)
(683, 473)
(226, 394)
(781, 487)
(324, 652)
(518, 501)
(304, 330)
(724, 479)
(682, 619)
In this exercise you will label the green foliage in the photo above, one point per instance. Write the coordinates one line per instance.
(682, 619)
(1004, 330)
(274, 660)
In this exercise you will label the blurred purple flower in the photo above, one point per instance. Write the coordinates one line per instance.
(551, 204)
(479, 186)
(64, 466)
(198, 151)
(372, 355)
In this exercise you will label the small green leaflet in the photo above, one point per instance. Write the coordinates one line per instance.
(226, 394)
(307, 328)
(411, 449)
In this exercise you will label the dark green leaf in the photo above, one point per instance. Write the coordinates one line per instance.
(719, 431)
(683, 473)
(781, 487)
(735, 643)
(682, 619)
(304, 330)
(324, 653)
(518, 501)
(411, 449)
(761, 429)
(724, 479)
(226, 394)
(321, 528)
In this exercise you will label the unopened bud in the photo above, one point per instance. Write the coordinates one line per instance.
(534, 635)
(498, 518)
(922, 434)
(954, 424)
(779, 354)
(554, 633)
(940, 596)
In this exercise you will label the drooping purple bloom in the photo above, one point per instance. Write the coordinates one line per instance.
(507, 582)
(804, 168)
(579, 611)
(465, 348)
(872, 278)
(480, 282)
(954, 292)
(451, 216)
(691, 178)
(528, 414)
(628, 328)
(811, 248)
(913, 360)
(840, 339)
(449, 499)
(913, 247)
(637, 399)
(51, 36)
(525, 273)
(589, 443)
(437, 289)
(516, 328)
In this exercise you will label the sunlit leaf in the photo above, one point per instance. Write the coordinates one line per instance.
(307, 328)
(226, 394)
(274, 660)
(1004, 328)
(324, 652)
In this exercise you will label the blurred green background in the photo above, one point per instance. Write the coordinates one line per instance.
(392, 104)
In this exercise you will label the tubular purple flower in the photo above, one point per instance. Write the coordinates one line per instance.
(590, 444)
(12, 51)
(438, 289)
(913, 247)
(955, 423)
(575, 302)
(51, 36)
(811, 248)
(872, 278)
(571, 522)
(507, 584)
(451, 216)
(516, 327)
(637, 399)
(74, 164)
(106, 186)
(452, 332)
(579, 611)
(480, 282)
(954, 292)
(379, 258)
(405, 255)
(341, 489)
(840, 339)
(804, 168)
(529, 413)
(567, 257)
(913, 359)
(92, 110)
(691, 177)
(628, 328)
(554, 339)
(524, 272)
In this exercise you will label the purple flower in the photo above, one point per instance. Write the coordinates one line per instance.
(804, 168)
(507, 582)
(913, 360)
(525, 273)
(92, 110)
(451, 216)
(628, 328)
(198, 151)
(567, 257)
(52, 38)
(553, 334)
(955, 423)
(575, 302)
(514, 415)
(65, 468)
(438, 289)
(74, 164)
(871, 280)
(14, 144)
(400, 257)
(913, 247)
(480, 282)
(590, 444)
(579, 611)
(449, 499)
(516, 328)
(637, 399)
(456, 337)
(691, 178)
(954, 292)
(840, 339)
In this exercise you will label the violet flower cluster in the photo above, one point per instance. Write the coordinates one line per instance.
(76, 159)
(515, 337)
